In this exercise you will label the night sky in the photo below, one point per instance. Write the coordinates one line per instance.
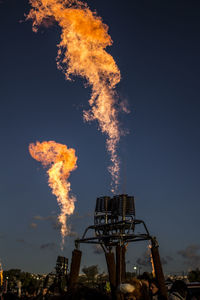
(156, 45)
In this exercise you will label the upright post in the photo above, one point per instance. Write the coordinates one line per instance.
(118, 265)
(123, 263)
(75, 267)
(158, 268)
(110, 259)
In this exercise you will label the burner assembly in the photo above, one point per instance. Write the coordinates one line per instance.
(114, 223)
(115, 226)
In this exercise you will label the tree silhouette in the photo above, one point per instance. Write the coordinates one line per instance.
(194, 275)
(90, 272)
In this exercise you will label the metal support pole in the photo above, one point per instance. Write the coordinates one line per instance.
(118, 265)
(110, 259)
(158, 268)
(123, 263)
(75, 267)
(123, 207)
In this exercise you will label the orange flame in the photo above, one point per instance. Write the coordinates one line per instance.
(61, 161)
(152, 262)
(81, 52)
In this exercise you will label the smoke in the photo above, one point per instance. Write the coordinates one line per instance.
(191, 255)
(48, 246)
(61, 162)
(81, 52)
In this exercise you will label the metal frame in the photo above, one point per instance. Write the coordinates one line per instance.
(114, 223)
(116, 228)
(123, 235)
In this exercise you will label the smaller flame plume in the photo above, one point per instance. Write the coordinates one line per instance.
(61, 161)
(152, 262)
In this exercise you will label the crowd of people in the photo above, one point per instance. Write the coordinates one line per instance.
(143, 288)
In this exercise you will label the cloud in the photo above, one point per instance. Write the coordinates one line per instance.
(89, 214)
(76, 215)
(49, 246)
(165, 260)
(191, 255)
(73, 234)
(33, 225)
(97, 249)
(169, 258)
(23, 242)
(55, 224)
(41, 218)
(53, 219)
(144, 260)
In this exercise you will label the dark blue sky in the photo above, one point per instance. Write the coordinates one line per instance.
(157, 48)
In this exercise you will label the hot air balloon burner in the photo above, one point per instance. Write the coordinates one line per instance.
(115, 225)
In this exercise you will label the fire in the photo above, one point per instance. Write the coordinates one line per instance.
(1, 275)
(152, 262)
(82, 52)
(61, 162)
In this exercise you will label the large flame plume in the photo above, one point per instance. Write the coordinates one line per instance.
(61, 162)
(81, 52)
